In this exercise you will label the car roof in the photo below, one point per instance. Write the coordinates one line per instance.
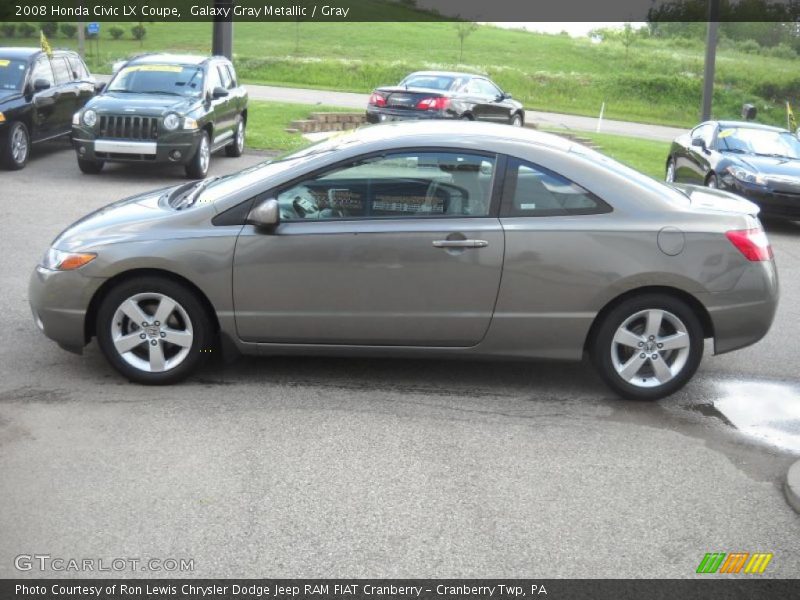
(173, 59)
(410, 132)
(16, 53)
(748, 125)
(444, 74)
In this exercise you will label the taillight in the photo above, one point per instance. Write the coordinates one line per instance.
(377, 100)
(753, 243)
(433, 103)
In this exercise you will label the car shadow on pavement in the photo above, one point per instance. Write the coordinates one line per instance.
(773, 225)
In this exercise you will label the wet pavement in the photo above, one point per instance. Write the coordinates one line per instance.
(379, 467)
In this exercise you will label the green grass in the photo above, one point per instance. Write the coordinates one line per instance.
(656, 81)
(647, 156)
(267, 121)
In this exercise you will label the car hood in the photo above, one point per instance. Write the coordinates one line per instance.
(771, 165)
(141, 104)
(7, 96)
(127, 219)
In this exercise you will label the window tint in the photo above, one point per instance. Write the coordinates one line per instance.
(533, 191)
(407, 184)
(224, 76)
(487, 88)
(62, 70)
(231, 75)
(79, 70)
(214, 80)
(705, 133)
(42, 70)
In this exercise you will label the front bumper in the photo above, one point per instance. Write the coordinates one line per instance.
(743, 315)
(60, 301)
(772, 203)
(178, 147)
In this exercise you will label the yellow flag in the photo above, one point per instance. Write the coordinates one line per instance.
(790, 117)
(45, 45)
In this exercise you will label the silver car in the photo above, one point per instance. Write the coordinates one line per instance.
(441, 239)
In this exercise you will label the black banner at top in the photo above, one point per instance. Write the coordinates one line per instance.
(400, 10)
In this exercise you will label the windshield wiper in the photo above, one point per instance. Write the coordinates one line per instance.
(192, 193)
(735, 150)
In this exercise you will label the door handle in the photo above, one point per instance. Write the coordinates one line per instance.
(460, 243)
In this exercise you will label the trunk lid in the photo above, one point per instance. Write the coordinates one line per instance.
(708, 199)
(401, 98)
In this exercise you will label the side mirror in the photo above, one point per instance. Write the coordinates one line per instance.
(41, 84)
(699, 143)
(99, 87)
(265, 215)
(219, 92)
(507, 96)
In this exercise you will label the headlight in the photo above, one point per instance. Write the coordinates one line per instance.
(56, 260)
(171, 121)
(747, 176)
(90, 117)
(2, 118)
(189, 123)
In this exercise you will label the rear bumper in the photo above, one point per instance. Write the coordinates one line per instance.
(742, 316)
(382, 115)
(59, 301)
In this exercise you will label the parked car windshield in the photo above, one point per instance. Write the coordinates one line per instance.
(159, 79)
(12, 75)
(759, 141)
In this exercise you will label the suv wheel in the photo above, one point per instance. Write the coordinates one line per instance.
(90, 167)
(16, 146)
(153, 330)
(648, 346)
(198, 166)
(236, 147)
(517, 120)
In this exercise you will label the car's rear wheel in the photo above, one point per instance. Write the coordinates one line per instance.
(16, 146)
(153, 331)
(90, 167)
(648, 346)
(670, 176)
(197, 168)
(236, 147)
(711, 181)
(516, 121)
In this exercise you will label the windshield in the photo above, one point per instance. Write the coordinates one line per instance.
(12, 75)
(159, 79)
(759, 141)
(429, 82)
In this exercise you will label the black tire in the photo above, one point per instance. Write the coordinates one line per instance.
(604, 351)
(517, 121)
(712, 181)
(90, 167)
(670, 169)
(16, 146)
(236, 147)
(110, 323)
(197, 167)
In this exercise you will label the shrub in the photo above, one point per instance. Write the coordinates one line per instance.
(749, 46)
(8, 29)
(116, 32)
(26, 30)
(50, 29)
(138, 32)
(68, 30)
(782, 50)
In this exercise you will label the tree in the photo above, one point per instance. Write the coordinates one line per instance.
(68, 30)
(627, 37)
(463, 30)
(49, 29)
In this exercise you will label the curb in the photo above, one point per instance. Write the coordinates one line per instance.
(792, 486)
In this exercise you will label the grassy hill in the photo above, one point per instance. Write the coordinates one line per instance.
(657, 81)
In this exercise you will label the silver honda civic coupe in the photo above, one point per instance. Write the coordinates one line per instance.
(444, 239)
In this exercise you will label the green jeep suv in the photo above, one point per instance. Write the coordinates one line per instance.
(162, 108)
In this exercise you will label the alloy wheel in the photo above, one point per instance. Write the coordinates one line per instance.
(240, 137)
(19, 145)
(650, 348)
(205, 154)
(152, 332)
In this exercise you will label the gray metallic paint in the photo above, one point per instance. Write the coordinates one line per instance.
(534, 292)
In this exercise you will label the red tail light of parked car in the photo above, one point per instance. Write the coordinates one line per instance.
(433, 103)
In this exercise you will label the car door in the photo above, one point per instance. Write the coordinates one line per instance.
(480, 100)
(497, 108)
(86, 84)
(402, 249)
(44, 101)
(697, 163)
(66, 94)
(223, 107)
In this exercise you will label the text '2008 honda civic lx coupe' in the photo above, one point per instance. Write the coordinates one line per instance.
(441, 239)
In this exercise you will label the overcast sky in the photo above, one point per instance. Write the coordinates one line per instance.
(574, 29)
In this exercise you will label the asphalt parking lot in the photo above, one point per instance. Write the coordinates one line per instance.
(379, 468)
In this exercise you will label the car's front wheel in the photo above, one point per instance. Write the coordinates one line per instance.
(197, 168)
(516, 121)
(90, 167)
(152, 330)
(16, 146)
(236, 147)
(648, 346)
(712, 181)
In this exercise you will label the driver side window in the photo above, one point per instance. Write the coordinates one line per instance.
(397, 185)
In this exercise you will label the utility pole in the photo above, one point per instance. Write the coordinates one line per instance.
(81, 36)
(222, 42)
(711, 58)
